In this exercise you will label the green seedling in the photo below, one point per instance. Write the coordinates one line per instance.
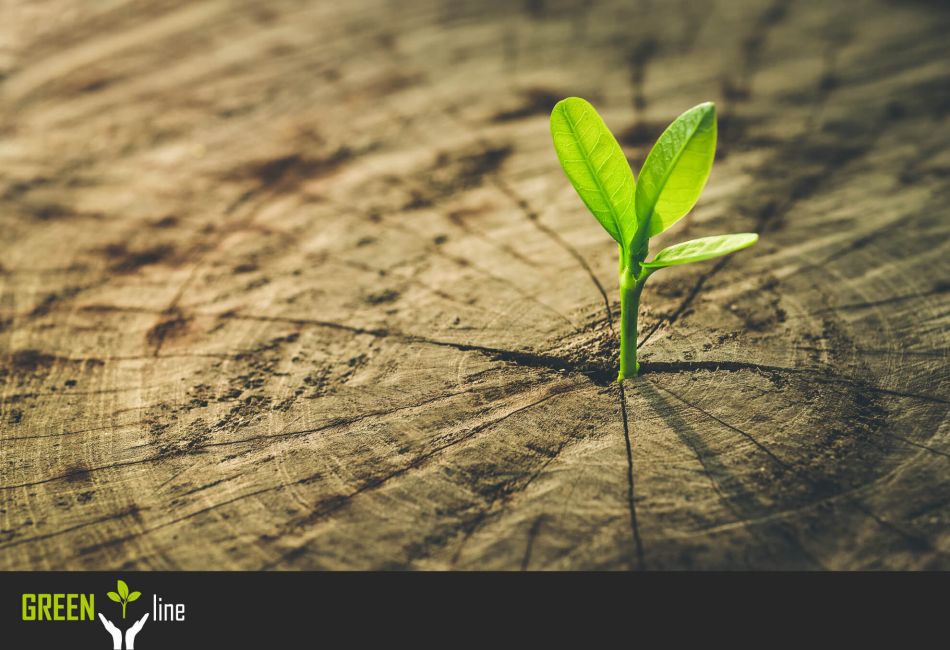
(671, 181)
(123, 596)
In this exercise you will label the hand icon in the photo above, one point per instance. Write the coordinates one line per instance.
(114, 631)
(132, 631)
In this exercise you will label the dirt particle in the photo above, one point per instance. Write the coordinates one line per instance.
(286, 173)
(167, 329)
(168, 221)
(124, 260)
(452, 173)
(638, 60)
(51, 212)
(417, 201)
(232, 394)
(77, 474)
(642, 134)
(732, 91)
(382, 297)
(895, 110)
(32, 360)
(48, 302)
(534, 101)
(246, 267)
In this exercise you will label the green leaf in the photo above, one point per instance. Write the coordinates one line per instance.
(135, 595)
(704, 248)
(123, 589)
(596, 166)
(114, 596)
(676, 169)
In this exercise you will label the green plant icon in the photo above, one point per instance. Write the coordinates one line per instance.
(123, 596)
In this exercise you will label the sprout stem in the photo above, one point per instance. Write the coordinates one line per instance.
(631, 285)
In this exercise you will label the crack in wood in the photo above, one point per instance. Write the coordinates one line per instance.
(631, 500)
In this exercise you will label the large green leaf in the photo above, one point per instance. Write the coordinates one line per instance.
(596, 166)
(676, 169)
(704, 248)
(123, 589)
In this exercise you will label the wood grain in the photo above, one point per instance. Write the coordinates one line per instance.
(301, 285)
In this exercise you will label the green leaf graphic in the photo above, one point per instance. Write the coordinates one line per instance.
(135, 595)
(114, 596)
(676, 169)
(596, 166)
(123, 589)
(704, 248)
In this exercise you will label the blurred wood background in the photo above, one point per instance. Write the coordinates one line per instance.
(301, 285)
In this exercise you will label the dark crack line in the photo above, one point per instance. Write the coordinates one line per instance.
(744, 434)
(875, 303)
(110, 427)
(815, 483)
(467, 264)
(332, 504)
(337, 423)
(726, 366)
(631, 503)
(535, 221)
(916, 542)
(686, 302)
(125, 538)
(916, 444)
(744, 507)
(15, 397)
(532, 538)
(127, 512)
(878, 389)
(520, 358)
(502, 502)
(81, 474)
(816, 375)
(464, 226)
(939, 354)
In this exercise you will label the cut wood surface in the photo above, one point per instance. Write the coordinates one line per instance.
(302, 286)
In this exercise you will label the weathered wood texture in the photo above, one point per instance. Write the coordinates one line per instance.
(301, 285)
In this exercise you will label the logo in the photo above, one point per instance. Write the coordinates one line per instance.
(122, 596)
(129, 604)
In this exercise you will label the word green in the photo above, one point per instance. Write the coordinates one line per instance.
(671, 181)
(123, 596)
(58, 607)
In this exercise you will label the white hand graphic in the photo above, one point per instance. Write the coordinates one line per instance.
(132, 631)
(114, 631)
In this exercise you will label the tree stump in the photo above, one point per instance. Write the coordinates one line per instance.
(302, 286)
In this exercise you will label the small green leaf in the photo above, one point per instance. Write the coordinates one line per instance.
(113, 596)
(596, 166)
(123, 589)
(697, 250)
(135, 595)
(676, 169)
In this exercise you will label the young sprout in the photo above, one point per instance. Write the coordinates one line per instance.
(671, 181)
(123, 596)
